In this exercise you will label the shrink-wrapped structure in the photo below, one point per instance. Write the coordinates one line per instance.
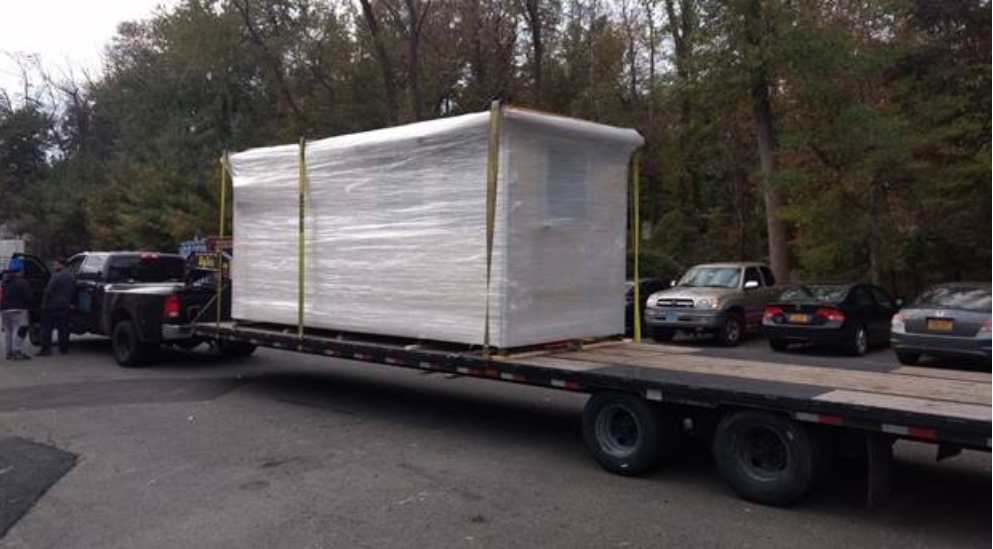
(395, 231)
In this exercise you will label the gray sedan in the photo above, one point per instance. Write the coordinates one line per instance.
(947, 321)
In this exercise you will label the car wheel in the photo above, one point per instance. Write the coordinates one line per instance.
(663, 335)
(908, 358)
(731, 332)
(778, 345)
(858, 344)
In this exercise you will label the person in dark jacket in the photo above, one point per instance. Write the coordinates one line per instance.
(55, 307)
(15, 302)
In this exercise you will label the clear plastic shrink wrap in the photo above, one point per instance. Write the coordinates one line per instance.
(395, 231)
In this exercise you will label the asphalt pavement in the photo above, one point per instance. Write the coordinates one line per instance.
(286, 450)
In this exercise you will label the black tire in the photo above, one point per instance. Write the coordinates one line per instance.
(235, 349)
(767, 458)
(778, 345)
(34, 334)
(731, 331)
(858, 341)
(662, 335)
(129, 350)
(908, 358)
(626, 434)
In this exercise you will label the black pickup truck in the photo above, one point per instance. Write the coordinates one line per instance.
(141, 300)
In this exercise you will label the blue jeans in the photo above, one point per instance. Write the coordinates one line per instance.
(15, 323)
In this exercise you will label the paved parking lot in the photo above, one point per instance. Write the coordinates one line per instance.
(283, 450)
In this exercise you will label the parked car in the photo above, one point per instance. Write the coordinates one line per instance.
(648, 287)
(725, 299)
(948, 320)
(852, 317)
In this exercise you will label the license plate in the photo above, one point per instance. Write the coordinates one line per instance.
(940, 324)
(672, 317)
(798, 318)
(207, 262)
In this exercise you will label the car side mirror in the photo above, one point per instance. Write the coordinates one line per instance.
(751, 284)
(672, 283)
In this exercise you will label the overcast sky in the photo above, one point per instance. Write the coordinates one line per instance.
(65, 33)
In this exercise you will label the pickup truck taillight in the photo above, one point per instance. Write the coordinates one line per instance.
(772, 312)
(170, 308)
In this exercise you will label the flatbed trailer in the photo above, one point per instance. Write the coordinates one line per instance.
(774, 429)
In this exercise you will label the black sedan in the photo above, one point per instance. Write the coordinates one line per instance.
(852, 317)
(948, 320)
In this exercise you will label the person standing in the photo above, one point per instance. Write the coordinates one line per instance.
(55, 308)
(14, 305)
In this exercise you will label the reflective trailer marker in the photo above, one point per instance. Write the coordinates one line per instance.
(818, 418)
(566, 384)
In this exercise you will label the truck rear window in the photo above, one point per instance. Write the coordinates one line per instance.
(146, 269)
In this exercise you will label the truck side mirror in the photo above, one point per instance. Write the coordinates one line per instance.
(751, 284)
(672, 283)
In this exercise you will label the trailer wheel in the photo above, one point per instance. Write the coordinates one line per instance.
(128, 349)
(235, 349)
(767, 458)
(626, 434)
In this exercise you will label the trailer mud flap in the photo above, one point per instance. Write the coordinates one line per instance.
(879, 467)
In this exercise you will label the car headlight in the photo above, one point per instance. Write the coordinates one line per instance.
(706, 303)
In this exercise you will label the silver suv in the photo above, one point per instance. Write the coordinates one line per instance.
(725, 299)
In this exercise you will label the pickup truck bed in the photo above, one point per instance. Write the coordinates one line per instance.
(946, 407)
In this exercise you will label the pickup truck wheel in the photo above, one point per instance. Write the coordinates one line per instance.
(662, 335)
(34, 335)
(731, 332)
(235, 349)
(627, 435)
(767, 458)
(129, 351)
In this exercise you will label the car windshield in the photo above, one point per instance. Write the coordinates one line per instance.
(965, 298)
(711, 277)
(818, 292)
